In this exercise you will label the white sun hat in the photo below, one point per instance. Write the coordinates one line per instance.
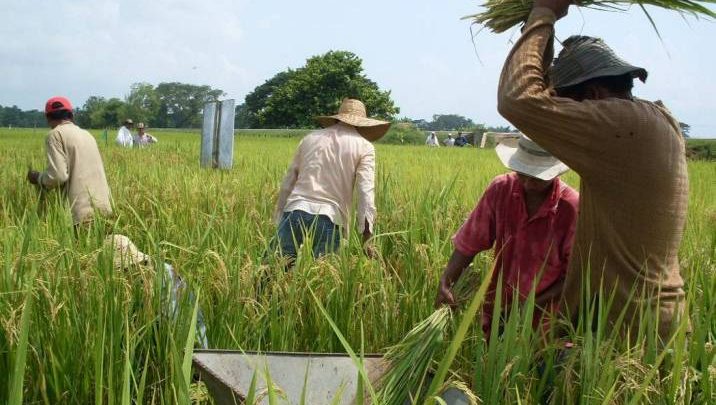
(125, 252)
(524, 156)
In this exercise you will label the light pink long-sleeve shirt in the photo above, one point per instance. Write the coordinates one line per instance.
(327, 166)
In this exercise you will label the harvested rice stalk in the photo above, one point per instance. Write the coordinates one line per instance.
(409, 360)
(501, 15)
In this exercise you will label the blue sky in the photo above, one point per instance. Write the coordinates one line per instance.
(419, 49)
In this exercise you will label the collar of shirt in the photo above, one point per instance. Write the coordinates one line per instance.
(548, 207)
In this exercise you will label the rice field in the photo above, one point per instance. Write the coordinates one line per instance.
(73, 330)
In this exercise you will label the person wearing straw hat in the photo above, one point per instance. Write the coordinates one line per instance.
(629, 154)
(74, 164)
(317, 192)
(143, 139)
(126, 256)
(124, 135)
(528, 216)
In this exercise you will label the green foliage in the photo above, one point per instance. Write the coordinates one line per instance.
(180, 104)
(169, 105)
(403, 134)
(292, 98)
(143, 104)
(701, 149)
(93, 329)
(450, 122)
(15, 117)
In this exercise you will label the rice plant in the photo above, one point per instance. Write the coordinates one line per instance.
(501, 15)
(91, 334)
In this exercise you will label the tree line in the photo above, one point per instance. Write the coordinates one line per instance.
(167, 105)
(289, 99)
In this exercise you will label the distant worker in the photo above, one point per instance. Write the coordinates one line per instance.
(73, 163)
(317, 192)
(629, 154)
(142, 139)
(528, 217)
(461, 140)
(432, 140)
(124, 135)
(449, 141)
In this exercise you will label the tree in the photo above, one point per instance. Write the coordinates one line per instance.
(181, 105)
(15, 117)
(292, 98)
(108, 113)
(142, 104)
(450, 122)
(91, 109)
(685, 129)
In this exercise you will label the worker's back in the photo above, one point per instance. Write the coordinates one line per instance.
(329, 161)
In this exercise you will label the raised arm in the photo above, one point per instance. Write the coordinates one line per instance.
(575, 132)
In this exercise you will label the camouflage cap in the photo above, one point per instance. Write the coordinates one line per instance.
(584, 58)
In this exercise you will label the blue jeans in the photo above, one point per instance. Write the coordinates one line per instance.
(296, 225)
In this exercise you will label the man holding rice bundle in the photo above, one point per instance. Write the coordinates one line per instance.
(630, 156)
(529, 217)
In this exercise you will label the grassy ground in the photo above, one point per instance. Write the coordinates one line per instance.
(72, 330)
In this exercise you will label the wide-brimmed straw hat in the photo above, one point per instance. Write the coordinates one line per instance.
(128, 121)
(352, 112)
(524, 156)
(140, 125)
(584, 58)
(125, 252)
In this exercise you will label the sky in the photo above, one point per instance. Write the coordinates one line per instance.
(420, 50)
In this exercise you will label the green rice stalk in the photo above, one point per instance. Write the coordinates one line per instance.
(409, 360)
(17, 377)
(467, 318)
(501, 15)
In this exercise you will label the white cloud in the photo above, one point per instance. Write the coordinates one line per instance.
(83, 48)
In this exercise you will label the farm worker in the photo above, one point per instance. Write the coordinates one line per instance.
(528, 216)
(432, 140)
(73, 163)
(143, 138)
(125, 255)
(449, 141)
(124, 135)
(461, 140)
(317, 191)
(630, 156)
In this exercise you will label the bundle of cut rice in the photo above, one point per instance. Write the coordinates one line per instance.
(501, 15)
(409, 360)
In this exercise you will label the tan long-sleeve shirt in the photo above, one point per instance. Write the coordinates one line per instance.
(634, 185)
(74, 164)
(328, 165)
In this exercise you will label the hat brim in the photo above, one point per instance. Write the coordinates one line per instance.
(636, 73)
(370, 128)
(543, 168)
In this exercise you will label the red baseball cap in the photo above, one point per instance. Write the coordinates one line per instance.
(57, 104)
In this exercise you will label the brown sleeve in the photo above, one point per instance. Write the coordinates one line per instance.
(575, 132)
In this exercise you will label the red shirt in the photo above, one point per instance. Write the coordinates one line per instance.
(523, 246)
